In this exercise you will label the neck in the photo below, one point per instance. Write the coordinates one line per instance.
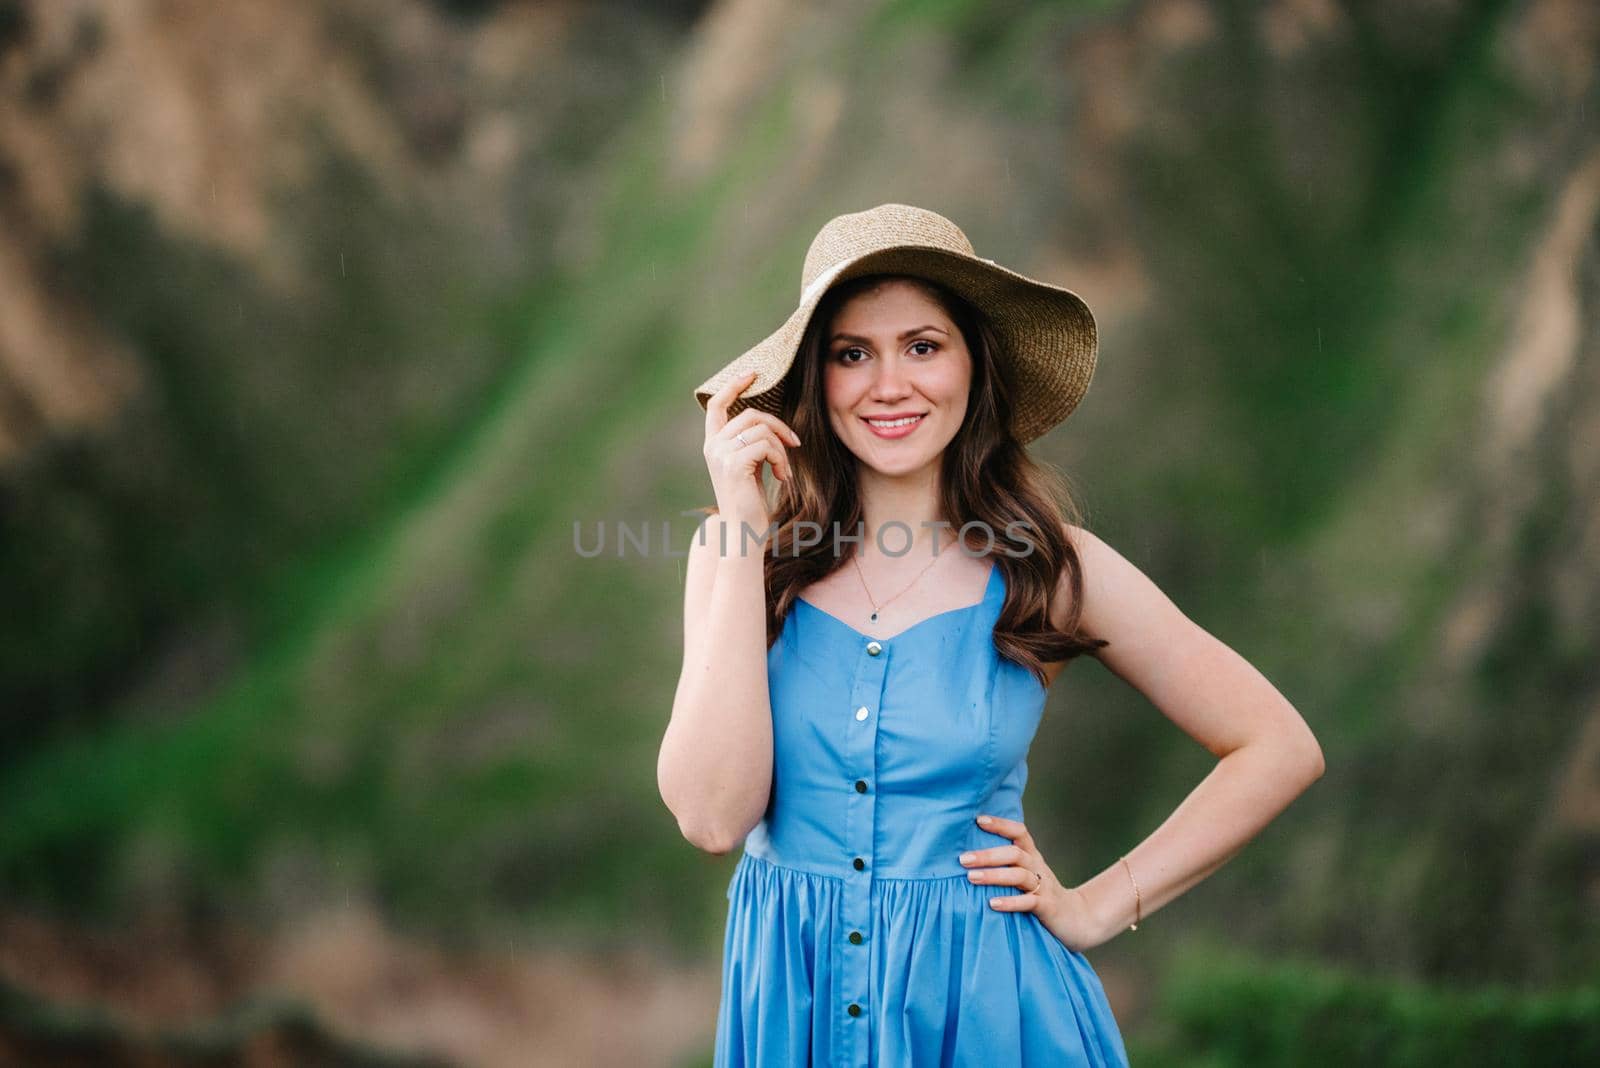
(911, 500)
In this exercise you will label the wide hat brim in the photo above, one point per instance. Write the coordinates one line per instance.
(1046, 333)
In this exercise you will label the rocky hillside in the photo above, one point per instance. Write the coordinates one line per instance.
(319, 331)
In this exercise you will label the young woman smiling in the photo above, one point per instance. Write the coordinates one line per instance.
(867, 656)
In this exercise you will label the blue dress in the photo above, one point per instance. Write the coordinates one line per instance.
(854, 937)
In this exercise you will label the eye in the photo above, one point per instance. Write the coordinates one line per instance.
(843, 355)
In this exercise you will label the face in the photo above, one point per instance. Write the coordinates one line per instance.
(893, 352)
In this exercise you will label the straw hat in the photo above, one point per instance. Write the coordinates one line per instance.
(1046, 333)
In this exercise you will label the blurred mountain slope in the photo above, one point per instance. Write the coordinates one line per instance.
(1327, 245)
(262, 266)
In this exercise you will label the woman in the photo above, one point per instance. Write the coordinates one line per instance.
(922, 586)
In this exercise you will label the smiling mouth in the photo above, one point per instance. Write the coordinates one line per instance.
(893, 424)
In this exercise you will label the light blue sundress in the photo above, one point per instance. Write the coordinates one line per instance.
(854, 937)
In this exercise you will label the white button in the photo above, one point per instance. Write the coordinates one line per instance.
(873, 648)
(861, 713)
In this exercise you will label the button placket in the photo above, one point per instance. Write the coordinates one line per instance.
(861, 773)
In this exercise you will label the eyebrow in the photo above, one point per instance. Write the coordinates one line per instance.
(903, 334)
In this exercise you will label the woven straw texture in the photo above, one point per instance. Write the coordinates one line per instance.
(1046, 333)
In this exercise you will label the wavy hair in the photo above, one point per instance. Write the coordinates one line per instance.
(988, 479)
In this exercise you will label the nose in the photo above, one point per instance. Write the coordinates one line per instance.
(890, 381)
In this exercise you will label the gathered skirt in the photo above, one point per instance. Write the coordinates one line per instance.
(953, 981)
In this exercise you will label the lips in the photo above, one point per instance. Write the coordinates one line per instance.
(894, 426)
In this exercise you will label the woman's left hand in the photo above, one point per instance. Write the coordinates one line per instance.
(1063, 910)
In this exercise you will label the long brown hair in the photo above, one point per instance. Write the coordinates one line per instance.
(987, 478)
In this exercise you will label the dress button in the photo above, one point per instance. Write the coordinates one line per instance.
(861, 713)
(861, 786)
(855, 938)
(873, 648)
(854, 1009)
(859, 863)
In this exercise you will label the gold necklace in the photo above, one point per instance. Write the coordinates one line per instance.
(876, 607)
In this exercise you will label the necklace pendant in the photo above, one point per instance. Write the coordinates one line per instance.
(874, 617)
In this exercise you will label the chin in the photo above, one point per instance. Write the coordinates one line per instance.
(901, 464)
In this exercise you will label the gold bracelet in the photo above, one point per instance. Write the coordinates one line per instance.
(1134, 926)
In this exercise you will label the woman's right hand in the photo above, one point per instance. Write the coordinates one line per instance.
(735, 468)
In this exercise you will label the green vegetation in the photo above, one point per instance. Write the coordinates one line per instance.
(1220, 1008)
(421, 695)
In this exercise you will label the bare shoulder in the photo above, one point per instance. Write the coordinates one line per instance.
(1124, 606)
(1061, 601)
(1120, 602)
(1200, 683)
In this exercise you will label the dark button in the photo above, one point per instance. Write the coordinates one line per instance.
(859, 863)
(861, 786)
(855, 938)
(854, 1009)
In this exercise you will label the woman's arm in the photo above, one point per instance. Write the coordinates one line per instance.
(715, 767)
(1267, 755)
